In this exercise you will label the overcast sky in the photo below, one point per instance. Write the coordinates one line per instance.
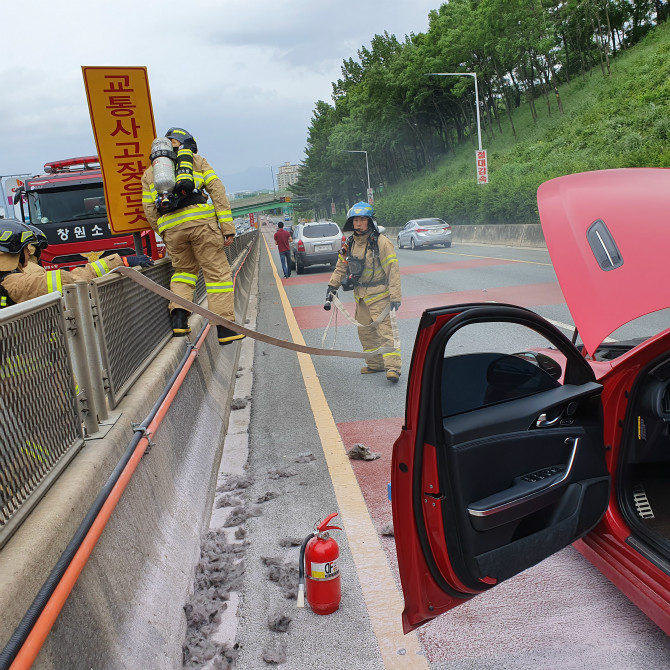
(243, 76)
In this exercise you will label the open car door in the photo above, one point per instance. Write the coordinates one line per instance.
(501, 460)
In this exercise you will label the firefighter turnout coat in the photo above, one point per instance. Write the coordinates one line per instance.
(194, 237)
(378, 286)
(31, 282)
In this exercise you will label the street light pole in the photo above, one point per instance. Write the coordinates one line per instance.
(481, 160)
(464, 74)
(272, 172)
(367, 168)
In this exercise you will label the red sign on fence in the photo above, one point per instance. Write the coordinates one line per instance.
(482, 167)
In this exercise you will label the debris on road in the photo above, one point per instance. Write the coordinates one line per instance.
(283, 573)
(360, 452)
(277, 473)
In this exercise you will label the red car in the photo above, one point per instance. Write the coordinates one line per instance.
(505, 458)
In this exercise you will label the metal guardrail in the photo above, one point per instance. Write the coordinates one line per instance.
(135, 325)
(99, 337)
(41, 428)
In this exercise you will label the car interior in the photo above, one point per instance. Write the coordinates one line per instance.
(644, 468)
(519, 454)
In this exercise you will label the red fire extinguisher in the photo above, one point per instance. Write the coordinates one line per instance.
(319, 556)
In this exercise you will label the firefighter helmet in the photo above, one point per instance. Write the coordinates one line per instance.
(41, 236)
(183, 137)
(15, 235)
(360, 209)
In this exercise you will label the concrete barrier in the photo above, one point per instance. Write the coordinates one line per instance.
(512, 235)
(126, 610)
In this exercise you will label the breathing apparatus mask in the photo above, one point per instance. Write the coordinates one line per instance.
(355, 268)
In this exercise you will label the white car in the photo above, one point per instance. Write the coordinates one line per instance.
(424, 233)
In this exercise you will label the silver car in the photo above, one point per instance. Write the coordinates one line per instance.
(424, 233)
(315, 243)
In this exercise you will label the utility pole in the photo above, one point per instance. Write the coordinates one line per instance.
(367, 170)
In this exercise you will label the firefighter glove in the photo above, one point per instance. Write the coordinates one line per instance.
(330, 292)
(137, 261)
(395, 306)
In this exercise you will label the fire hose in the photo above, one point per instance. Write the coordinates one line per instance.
(147, 283)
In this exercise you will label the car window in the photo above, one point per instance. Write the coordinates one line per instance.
(489, 378)
(475, 376)
(321, 230)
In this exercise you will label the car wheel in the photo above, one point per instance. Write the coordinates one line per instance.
(412, 246)
(447, 245)
(299, 267)
(399, 243)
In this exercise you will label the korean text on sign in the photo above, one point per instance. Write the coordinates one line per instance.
(123, 124)
(482, 167)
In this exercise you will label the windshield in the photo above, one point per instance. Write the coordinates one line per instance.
(67, 204)
(321, 230)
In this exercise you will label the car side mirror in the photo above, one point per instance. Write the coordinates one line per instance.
(381, 229)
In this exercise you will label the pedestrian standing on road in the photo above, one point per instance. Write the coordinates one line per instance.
(18, 285)
(282, 239)
(369, 265)
(195, 232)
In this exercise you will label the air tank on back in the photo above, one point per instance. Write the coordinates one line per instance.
(163, 162)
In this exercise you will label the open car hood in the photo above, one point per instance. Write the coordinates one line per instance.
(608, 235)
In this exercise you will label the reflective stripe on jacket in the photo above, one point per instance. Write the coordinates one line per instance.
(205, 180)
(22, 286)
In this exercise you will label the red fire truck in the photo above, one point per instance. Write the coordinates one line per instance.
(68, 204)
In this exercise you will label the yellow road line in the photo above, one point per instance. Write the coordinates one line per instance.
(495, 258)
(382, 597)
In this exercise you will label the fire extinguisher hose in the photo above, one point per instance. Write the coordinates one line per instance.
(301, 571)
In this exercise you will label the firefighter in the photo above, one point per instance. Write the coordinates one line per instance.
(35, 251)
(195, 232)
(17, 285)
(368, 264)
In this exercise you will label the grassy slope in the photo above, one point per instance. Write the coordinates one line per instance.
(621, 121)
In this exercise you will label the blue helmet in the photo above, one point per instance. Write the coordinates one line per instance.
(360, 209)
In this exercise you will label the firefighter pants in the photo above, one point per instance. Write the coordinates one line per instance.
(379, 336)
(197, 247)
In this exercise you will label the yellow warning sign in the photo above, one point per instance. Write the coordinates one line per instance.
(122, 117)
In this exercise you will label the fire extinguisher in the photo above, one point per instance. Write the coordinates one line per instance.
(319, 556)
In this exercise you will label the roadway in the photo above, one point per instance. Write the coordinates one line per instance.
(297, 415)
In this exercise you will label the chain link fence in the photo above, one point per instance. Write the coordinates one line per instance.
(41, 428)
(64, 363)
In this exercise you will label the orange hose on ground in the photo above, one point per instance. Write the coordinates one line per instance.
(31, 647)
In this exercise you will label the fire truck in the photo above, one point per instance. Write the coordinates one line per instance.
(68, 203)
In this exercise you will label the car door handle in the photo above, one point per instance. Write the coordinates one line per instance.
(523, 491)
(543, 422)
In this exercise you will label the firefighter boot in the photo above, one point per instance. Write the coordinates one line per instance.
(226, 336)
(393, 376)
(179, 320)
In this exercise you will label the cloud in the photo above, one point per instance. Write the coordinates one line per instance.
(242, 76)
